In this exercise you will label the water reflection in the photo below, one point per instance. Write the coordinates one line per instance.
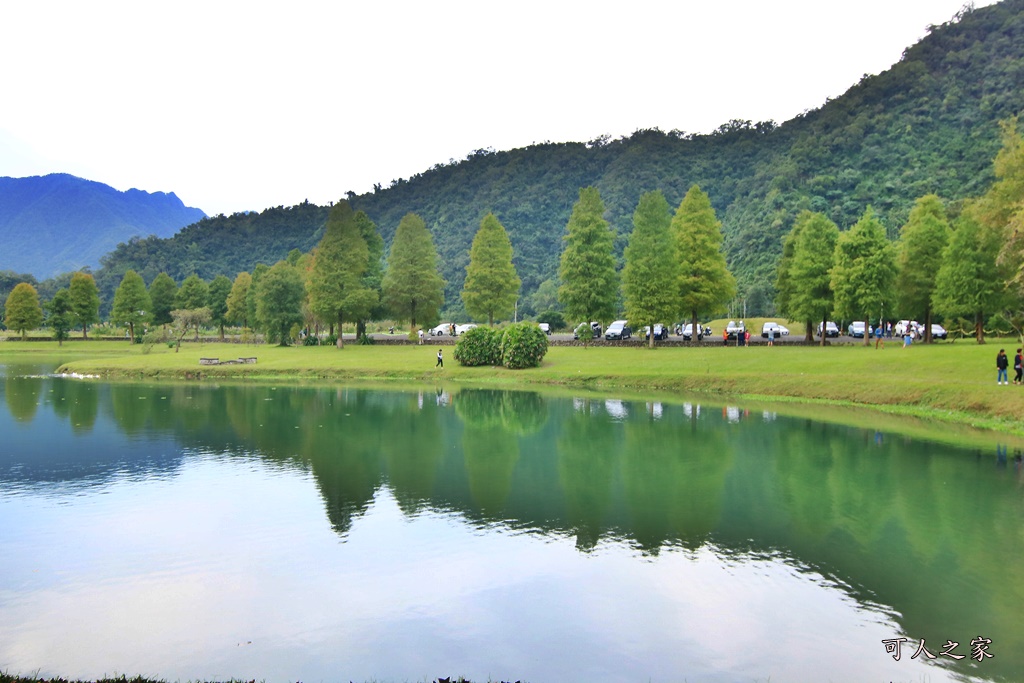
(929, 535)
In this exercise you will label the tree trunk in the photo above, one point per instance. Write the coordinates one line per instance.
(131, 333)
(824, 330)
(693, 326)
(222, 332)
(650, 337)
(84, 335)
(979, 330)
(341, 340)
(928, 325)
(867, 334)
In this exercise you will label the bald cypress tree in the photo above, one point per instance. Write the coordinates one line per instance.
(922, 241)
(705, 284)
(337, 291)
(589, 290)
(652, 270)
(412, 288)
(492, 285)
(864, 272)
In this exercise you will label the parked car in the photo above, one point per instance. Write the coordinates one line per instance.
(459, 329)
(903, 326)
(831, 329)
(595, 330)
(687, 331)
(939, 332)
(545, 328)
(856, 329)
(619, 329)
(769, 327)
(734, 328)
(660, 332)
(441, 330)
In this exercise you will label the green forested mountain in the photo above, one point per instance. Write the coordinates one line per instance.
(55, 223)
(927, 125)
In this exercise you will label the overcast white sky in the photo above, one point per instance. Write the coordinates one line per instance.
(240, 106)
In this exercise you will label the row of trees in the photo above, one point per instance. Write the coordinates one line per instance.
(674, 266)
(961, 262)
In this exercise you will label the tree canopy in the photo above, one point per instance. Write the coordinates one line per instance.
(492, 286)
(651, 273)
(590, 283)
(705, 284)
(412, 288)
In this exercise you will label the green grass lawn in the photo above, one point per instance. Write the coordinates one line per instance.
(953, 382)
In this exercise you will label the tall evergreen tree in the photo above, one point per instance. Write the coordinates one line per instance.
(589, 290)
(374, 268)
(59, 316)
(811, 297)
(412, 288)
(251, 300)
(969, 283)
(131, 303)
(705, 283)
(85, 301)
(922, 242)
(219, 290)
(336, 288)
(279, 298)
(237, 308)
(492, 285)
(162, 293)
(22, 311)
(194, 293)
(784, 284)
(863, 274)
(651, 273)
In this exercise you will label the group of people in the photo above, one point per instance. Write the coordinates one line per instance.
(1003, 363)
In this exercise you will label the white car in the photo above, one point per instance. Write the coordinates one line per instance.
(459, 329)
(904, 326)
(545, 328)
(779, 330)
(441, 330)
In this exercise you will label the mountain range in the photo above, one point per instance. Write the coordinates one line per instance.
(57, 223)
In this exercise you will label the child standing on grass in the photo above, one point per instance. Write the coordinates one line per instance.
(440, 360)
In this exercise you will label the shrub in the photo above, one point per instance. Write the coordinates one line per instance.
(311, 340)
(365, 339)
(523, 346)
(479, 346)
(330, 340)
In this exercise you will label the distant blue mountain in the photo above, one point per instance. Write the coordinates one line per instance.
(58, 223)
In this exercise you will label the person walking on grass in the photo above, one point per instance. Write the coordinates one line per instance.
(1001, 364)
(440, 360)
(1018, 367)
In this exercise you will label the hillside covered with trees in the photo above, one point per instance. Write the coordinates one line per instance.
(927, 125)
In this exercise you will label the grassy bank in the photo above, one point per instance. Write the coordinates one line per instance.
(951, 382)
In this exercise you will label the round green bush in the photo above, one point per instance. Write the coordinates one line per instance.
(479, 346)
(523, 346)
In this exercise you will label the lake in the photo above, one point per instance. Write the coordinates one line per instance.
(287, 533)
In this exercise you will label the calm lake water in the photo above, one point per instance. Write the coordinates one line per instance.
(291, 533)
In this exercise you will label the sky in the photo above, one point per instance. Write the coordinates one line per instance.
(240, 106)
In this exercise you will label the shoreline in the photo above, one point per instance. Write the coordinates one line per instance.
(943, 384)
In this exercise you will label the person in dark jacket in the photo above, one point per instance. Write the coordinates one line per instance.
(1018, 366)
(1001, 364)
